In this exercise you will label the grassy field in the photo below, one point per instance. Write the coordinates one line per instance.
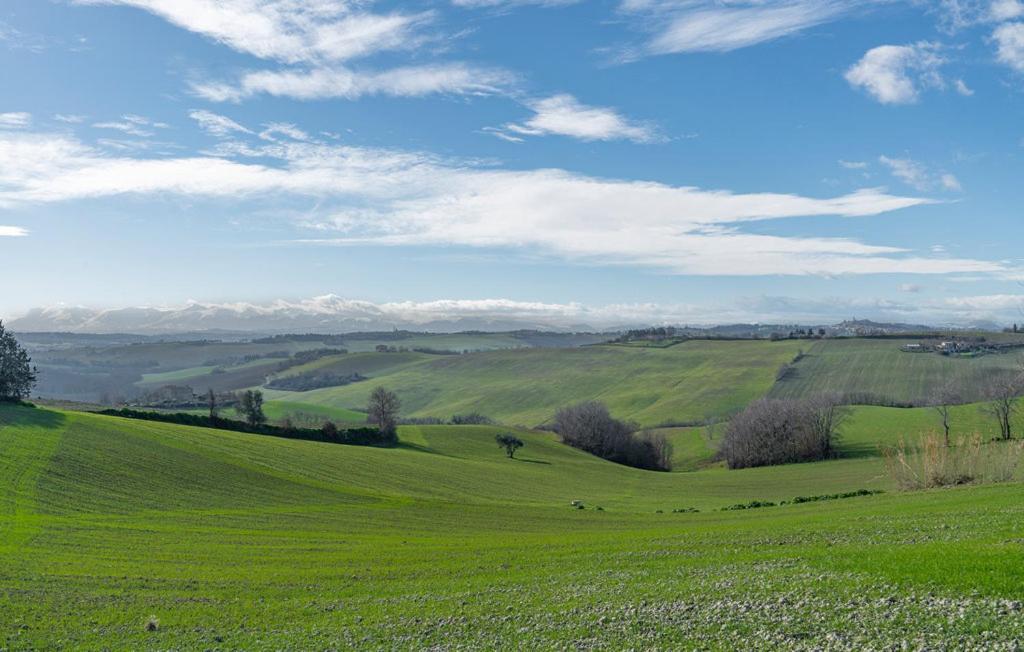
(879, 368)
(277, 410)
(237, 541)
(687, 382)
(864, 432)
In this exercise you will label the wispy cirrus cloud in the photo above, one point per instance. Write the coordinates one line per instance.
(678, 26)
(564, 115)
(918, 175)
(318, 41)
(344, 83)
(132, 125)
(285, 30)
(504, 4)
(15, 120)
(388, 197)
(216, 124)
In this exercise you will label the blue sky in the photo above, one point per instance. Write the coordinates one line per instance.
(684, 160)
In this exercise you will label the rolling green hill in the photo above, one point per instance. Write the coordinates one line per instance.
(877, 367)
(235, 541)
(686, 382)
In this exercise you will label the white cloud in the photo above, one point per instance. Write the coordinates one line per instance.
(908, 170)
(71, 119)
(1009, 39)
(289, 31)
(911, 288)
(133, 125)
(917, 175)
(707, 26)
(12, 232)
(15, 120)
(386, 197)
(318, 38)
(1006, 9)
(563, 115)
(491, 4)
(217, 125)
(285, 129)
(962, 88)
(337, 82)
(895, 74)
(950, 182)
(853, 165)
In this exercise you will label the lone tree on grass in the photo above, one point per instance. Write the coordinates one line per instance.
(382, 411)
(211, 403)
(942, 402)
(17, 375)
(510, 443)
(1002, 402)
(250, 406)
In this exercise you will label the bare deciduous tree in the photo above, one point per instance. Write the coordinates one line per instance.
(211, 403)
(590, 427)
(382, 411)
(772, 431)
(1002, 395)
(942, 401)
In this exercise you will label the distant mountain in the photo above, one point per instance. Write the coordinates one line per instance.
(333, 314)
(326, 314)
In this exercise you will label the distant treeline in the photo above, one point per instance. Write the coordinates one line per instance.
(307, 382)
(304, 337)
(363, 436)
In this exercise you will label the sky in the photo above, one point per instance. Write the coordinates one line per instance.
(693, 161)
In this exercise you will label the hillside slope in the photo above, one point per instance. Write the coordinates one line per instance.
(232, 541)
(879, 370)
(686, 382)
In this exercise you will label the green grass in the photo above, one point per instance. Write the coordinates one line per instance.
(684, 383)
(366, 364)
(238, 541)
(178, 375)
(277, 410)
(880, 368)
(864, 433)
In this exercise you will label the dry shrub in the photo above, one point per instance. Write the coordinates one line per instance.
(931, 463)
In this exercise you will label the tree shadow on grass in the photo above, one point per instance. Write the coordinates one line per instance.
(13, 414)
(521, 459)
(420, 448)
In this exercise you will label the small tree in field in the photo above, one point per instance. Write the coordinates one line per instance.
(510, 443)
(382, 410)
(1002, 402)
(211, 404)
(17, 375)
(251, 407)
(942, 402)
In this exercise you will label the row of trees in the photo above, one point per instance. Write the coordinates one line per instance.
(1002, 402)
(382, 411)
